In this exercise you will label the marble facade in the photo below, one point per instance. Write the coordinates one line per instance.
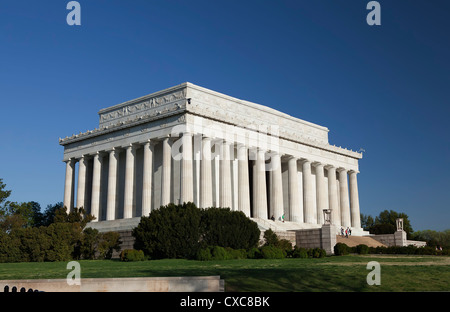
(188, 143)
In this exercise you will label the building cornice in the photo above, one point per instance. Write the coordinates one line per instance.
(192, 99)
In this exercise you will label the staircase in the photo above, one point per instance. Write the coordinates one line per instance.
(279, 226)
(353, 241)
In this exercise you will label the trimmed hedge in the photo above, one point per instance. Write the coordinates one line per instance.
(272, 252)
(342, 249)
(264, 252)
(128, 255)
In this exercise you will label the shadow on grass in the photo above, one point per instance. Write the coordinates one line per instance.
(274, 279)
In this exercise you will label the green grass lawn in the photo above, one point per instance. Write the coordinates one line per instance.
(344, 273)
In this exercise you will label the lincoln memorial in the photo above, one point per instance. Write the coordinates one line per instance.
(190, 144)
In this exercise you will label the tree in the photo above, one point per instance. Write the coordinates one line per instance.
(433, 238)
(367, 222)
(385, 223)
(18, 215)
(49, 214)
(4, 194)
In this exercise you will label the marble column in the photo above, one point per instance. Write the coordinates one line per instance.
(112, 185)
(129, 198)
(333, 196)
(295, 206)
(187, 189)
(308, 194)
(243, 180)
(354, 200)
(69, 185)
(166, 172)
(206, 199)
(81, 185)
(259, 186)
(147, 168)
(96, 184)
(321, 195)
(277, 187)
(345, 204)
(225, 196)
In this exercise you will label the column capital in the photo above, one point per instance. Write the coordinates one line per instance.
(328, 167)
(71, 160)
(317, 164)
(133, 146)
(150, 142)
(304, 160)
(353, 171)
(112, 149)
(341, 169)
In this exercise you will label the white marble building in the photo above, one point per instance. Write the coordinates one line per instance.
(188, 143)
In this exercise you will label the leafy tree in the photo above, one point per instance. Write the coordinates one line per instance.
(433, 238)
(77, 216)
(385, 223)
(4, 194)
(367, 222)
(49, 214)
(64, 241)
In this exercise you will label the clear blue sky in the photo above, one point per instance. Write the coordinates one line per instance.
(383, 88)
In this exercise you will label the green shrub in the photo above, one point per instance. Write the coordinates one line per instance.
(362, 249)
(341, 249)
(226, 228)
(272, 252)
(172, 231)
(204, 254)
(128, 255)
(109, 241)
(179, 231)
(219, 253)
(299, 252)
(236, 253)
(285, 245)
(254, 253)
(271, 238)
(88, 243)
(318, 253)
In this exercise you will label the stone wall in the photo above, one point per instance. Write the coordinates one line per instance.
(397, 239)
(324, 237)
(127, 240)
(310, 238)
(132, 284)
(288, 235)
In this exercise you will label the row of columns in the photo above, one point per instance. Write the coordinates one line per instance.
(344, 208)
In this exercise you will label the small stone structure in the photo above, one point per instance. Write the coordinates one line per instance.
(132, 284)
(324, 237)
